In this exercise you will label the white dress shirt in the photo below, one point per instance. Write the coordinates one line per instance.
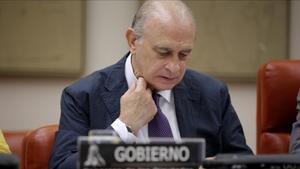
(166, 103)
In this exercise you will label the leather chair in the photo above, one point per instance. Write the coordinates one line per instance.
(278, 83)
(38, 146)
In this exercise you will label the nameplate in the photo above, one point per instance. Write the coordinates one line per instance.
(9, 161)
(110, 153)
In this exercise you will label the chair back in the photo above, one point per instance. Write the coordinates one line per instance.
(38, 147)
(278, 83)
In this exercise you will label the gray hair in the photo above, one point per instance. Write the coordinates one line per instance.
(147, 9)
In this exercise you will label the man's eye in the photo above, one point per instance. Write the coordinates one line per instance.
(183, 56)
(164, 53)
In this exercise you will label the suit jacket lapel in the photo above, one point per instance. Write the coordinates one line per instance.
(116, 86)
(183, 99)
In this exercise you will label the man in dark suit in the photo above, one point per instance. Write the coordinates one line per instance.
(295, 135)
(120, 97)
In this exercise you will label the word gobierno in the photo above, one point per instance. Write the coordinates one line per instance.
(152, 154)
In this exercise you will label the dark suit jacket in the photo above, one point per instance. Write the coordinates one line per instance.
(203, 109)
(295, 135)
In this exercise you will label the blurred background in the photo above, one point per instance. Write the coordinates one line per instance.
(28, 102)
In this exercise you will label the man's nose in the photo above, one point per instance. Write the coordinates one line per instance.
(173, 66)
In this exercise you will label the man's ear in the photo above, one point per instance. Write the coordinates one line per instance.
(131, 40)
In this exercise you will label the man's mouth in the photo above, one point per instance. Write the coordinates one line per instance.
(168, 78)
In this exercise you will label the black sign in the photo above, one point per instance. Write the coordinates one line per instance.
(101, 155)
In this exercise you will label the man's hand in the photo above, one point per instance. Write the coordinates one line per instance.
(137, 105)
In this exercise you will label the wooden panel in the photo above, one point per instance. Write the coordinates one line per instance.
(235, 37)
(41, 37)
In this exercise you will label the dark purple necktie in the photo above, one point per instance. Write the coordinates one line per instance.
(159, 126)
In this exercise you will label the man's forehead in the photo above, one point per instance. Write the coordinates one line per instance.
(157, 26)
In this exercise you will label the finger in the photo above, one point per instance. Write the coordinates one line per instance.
(132, 87)
(137, 74)
(141, 84)
(149, 91)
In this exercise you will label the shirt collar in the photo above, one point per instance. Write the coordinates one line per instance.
(130, 78)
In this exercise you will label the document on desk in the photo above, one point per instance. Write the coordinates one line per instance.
(108, 152)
